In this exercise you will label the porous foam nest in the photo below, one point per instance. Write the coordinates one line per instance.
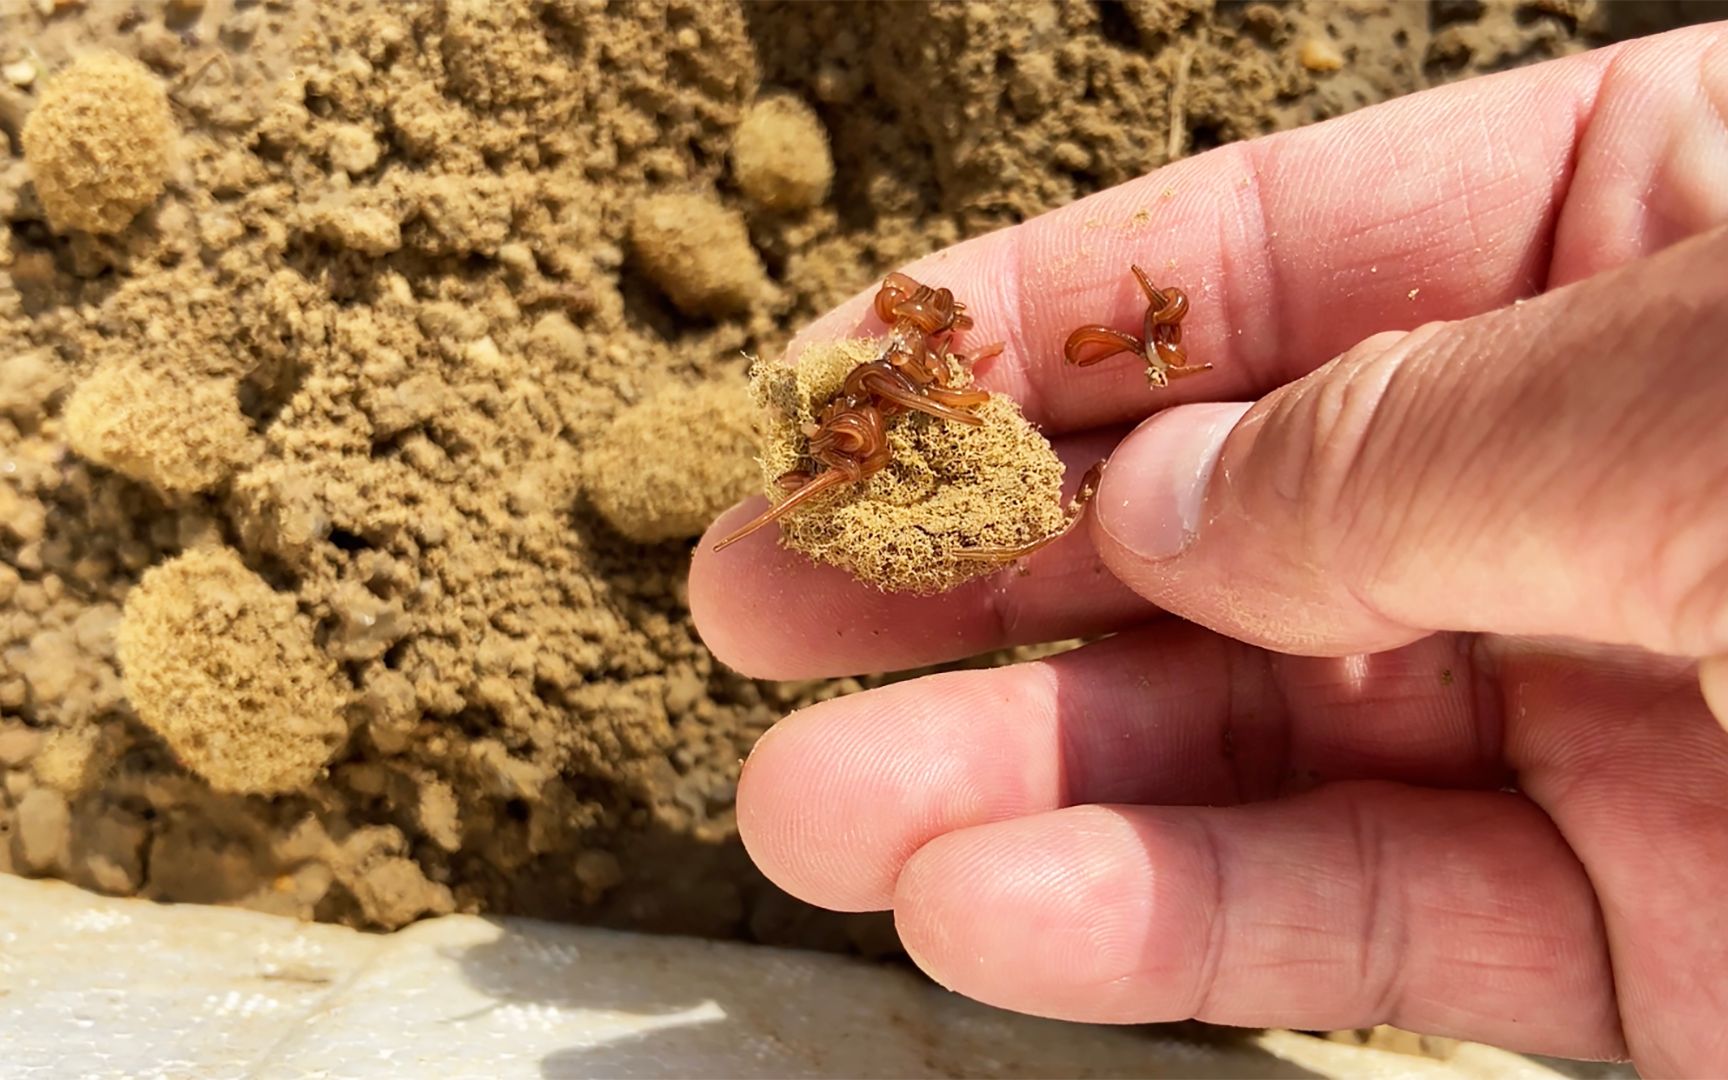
(950, 487)
(226, 670)
(780, 154)
(178, 435)
(698, 251)
(667, 467)
(99, 144)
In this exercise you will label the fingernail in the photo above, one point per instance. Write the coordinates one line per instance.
(1154, 486)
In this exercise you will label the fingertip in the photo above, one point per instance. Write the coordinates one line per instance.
(836, 797)
(773, 809)
(721, 581)
(826, 808)
(1152, 494)
(1043, 914)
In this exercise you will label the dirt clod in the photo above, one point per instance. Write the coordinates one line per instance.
(666, 468)
(178, 435)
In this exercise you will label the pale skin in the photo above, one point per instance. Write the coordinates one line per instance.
(1402, 717)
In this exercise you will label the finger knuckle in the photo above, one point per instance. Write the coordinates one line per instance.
(1340, 464)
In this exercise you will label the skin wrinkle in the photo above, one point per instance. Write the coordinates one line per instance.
(1453, 495)
(1034, 399)
(1046, 692)
(1679, 217)
(1705, 604)
(1564, 265)
(1534, 388)
(1255, 159)
(1571, 762)
(1541, 251)
(1488, 147)
(1543, 242)
(1416, 448)
(1367, 529)
(1345, 411)
(1070, 770)
(1376, 916)
(1271, 706)
(1695, 611)
(1217, 923)
(1488, 706)
(1466, 515)
(1648, 597)
(1231, 713)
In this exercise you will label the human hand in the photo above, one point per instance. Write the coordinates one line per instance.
(1486, 798)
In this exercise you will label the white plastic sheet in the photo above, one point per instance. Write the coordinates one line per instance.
(97, 987)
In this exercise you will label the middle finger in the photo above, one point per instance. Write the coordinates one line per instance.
(835, 799)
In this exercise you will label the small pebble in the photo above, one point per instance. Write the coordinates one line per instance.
(1319, 54)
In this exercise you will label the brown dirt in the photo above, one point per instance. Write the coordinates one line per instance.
(410, 263)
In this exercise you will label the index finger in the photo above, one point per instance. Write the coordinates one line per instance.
(1291, 248)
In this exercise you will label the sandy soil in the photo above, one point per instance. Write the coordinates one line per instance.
(342, 530)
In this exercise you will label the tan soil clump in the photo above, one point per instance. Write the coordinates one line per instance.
(951, 487)
(227, 672)
(698, 252)
(668, 467)
(99, 143)
(178, 436)
(780, 155)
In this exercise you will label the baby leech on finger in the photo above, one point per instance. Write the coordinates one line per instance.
(1159, 343)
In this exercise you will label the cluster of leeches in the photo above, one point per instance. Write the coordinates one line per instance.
(917, 370)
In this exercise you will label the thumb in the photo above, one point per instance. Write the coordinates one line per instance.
(1557, 467)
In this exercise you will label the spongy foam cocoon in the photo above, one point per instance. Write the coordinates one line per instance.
(950, 487)
(228, 673)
